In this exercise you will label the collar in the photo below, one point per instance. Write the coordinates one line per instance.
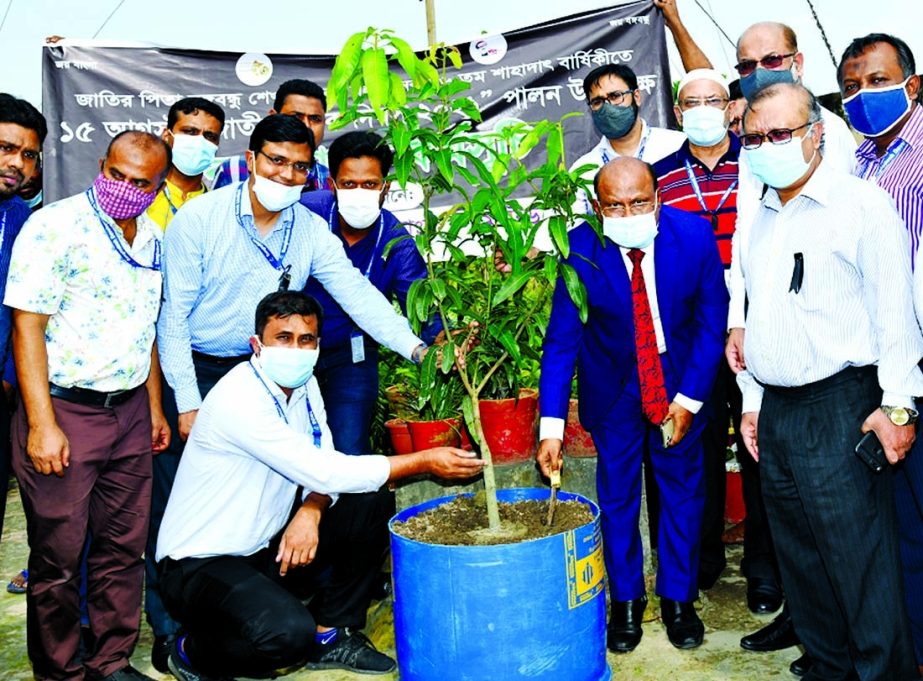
(605, 146)
(146, 230)
(818, 188)
(684, 153)
(246, 211)
(911, 135)
(275, 388)
(176, 192)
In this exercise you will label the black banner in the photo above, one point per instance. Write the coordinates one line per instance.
(92, 93)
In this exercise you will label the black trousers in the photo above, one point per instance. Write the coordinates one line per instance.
(243, 619)
(835, 529)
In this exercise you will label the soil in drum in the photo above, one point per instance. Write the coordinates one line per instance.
(463, 521)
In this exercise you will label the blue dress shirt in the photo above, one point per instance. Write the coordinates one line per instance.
(13, 215)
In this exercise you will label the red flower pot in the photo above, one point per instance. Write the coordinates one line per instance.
(577, 441)
(734, 509)
(510, 426)
(428, 434)
(399, 431)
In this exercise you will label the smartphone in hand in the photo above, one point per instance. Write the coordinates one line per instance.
(871, 453)
(667, 428)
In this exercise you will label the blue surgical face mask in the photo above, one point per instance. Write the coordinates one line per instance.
(779, 165)
(613, 121)
(705, 126)
(288, 367)
(192, 154)
(760, 78)
(632, 231)
(874, 112)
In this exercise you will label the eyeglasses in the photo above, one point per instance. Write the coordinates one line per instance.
(771, 62)
(620, 210)
(779, 136)
(714, 102)
(614, 98)
(280, 162)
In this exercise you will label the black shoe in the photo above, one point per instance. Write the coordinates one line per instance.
(353, 651)
(127, 673)
(624, 632)
(802, 665)
(684, 628)
(181, 670)
(777, 635)
(160, 653)
(708, 577)
(763, 595)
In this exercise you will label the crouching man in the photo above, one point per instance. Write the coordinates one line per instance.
(229, 538)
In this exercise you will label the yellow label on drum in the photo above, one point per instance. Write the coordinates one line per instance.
(585, 566)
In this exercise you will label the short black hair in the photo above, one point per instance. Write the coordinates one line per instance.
(285, 304)
(299, 86)
(20, 112)
(859, 45)
(281, 128)
(357, 144)
(734, 91)
(189, 105)
(618, 70)
(647, 166)
(145, 140)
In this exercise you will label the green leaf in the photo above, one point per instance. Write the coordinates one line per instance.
(444, 163)
(513, 283)
(428, 73)
(398, 92)
(448, 358)
(428, 373)
(377, 79)
(400, 136)
(553, 145)
(557, 226)
(438, 287)
(529, 142)
(575, 290)
(346, 64)
(405, 56)
(468, 412)
(469, 107)
(403, 167)
(453, 87)
(455, 57)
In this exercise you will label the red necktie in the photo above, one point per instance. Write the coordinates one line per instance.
(650, 372)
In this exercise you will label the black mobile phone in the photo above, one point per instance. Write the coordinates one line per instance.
(871, 453)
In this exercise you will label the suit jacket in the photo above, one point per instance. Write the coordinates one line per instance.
(693, 301)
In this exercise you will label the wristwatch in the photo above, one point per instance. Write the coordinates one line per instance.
(900, 416)
(417, 355)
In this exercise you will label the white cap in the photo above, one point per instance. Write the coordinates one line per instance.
(704, 74)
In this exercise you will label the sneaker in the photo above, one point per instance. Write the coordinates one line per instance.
(182, 671)
(160, 653)
(353, 651)
(127, 673)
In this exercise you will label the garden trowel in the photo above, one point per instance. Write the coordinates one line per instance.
(555, 479)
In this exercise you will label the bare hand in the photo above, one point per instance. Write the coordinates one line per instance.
(549, 455)
(896, 440)
(160, 432)
(734, 350)
(670, 11)
(9, 394)
(500, 263)
(682, 422)
(299, 542)
(49, 450)
(450, 462)
(186, 419)
(462, 346)
(748, 432)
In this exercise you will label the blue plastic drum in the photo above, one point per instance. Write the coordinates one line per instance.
(532, 610)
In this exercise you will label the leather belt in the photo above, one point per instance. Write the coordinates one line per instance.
(92, 397)
(219, 361)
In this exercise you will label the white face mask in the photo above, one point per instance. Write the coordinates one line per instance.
(632, 231)
(705, 126)
(779, 165)
(360, 208)
(273, 195)
(192, 154)
(288, 367)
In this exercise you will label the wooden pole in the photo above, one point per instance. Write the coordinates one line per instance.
(431, 22)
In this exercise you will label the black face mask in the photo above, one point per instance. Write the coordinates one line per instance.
(614, 122)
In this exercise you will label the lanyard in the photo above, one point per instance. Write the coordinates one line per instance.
(166, 195)
(641, 147)
(315, 426)
(694, 181)
(288, 228)
(892, 153)
(381, 229)
(3, 227)
(116, 241)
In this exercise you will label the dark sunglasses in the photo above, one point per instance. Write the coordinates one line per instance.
(771, 62)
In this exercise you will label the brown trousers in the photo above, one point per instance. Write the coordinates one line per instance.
(106, 492)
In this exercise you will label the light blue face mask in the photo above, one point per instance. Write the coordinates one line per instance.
(192, 154)
(35, 200)
(632, 231)
(288, 367)
(779, 165)
(760, 78)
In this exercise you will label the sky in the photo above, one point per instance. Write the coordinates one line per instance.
(321, 28)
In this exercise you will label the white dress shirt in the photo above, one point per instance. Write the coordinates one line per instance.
(839, 152)
(855, 305)
(243, 463)
(553, 427)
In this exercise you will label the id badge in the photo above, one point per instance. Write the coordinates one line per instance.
(357, 343)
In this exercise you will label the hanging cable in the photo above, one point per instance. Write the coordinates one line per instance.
(5, 15)
(712, 19)
(823, 33)
(111, 14)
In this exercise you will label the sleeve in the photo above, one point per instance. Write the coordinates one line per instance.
(748, 203)
(751, 390)
(364, 303)
(711, 310)
(559, 355)
(182, 283)
(888, 292)
(39, 265)
(408, 268)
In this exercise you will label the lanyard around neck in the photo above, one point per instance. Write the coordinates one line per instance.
(381, 228)
(694, 181)
(315, 425)
(892, 153)
(116, 240)
(288, 228)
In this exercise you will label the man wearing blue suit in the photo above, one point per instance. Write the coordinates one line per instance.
(657, 310)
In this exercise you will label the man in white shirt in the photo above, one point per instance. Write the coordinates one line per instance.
(614, 99)
(259, 435)
(832, 347)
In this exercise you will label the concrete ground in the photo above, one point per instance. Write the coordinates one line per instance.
(723, 609)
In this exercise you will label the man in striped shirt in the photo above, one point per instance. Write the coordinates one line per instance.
(701, 177)
(877, 77)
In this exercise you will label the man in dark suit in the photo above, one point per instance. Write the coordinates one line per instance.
(646, 359)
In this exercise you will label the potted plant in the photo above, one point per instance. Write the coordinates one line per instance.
(472, 184)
